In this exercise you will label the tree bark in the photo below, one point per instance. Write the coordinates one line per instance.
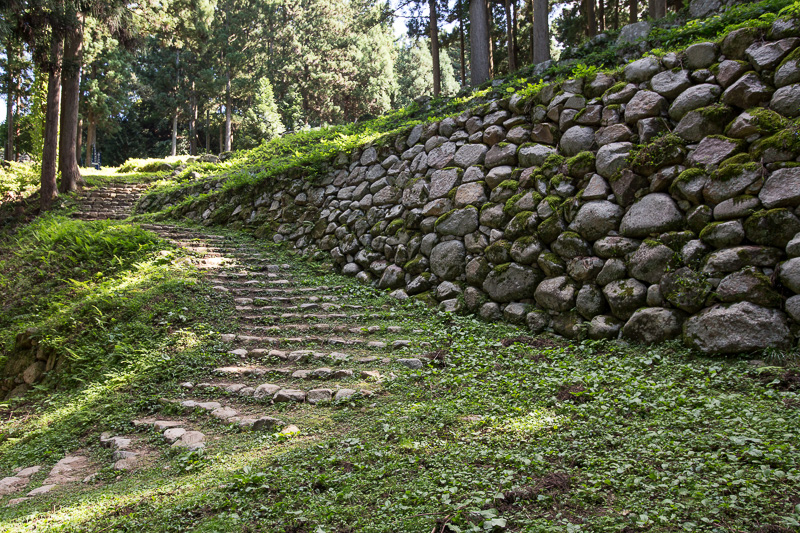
(515, 30)
(9, 153)
(73, 58)
(91, 138)
(228, 103)
(616, 14)
(541, 31)
(659, 9)
(174, 150)
(530, 5)
(79, 142)
(479, 42)
(633, 9)
(591, 21)
(512, 64)
(434, 27)
(601, 15)
(193, 123)
(490, 25)
(49, 191)
(461, 40)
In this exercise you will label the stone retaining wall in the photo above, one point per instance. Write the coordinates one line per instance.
(658, 204)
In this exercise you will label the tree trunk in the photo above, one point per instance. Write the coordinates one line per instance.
(221, 135)
(479, 42)
(174, 150)
(530, 5)
(228, 103)
(591, 21)
(79, 142)
(9, 153)
(208, 134)
(73, 58)
(633, 9)
(490, 25)
(193, 123)
(91, 138)
(541, 31)
(601, 15)
(616, 14)
(50, 151)
(512, 64)
(434, 24)
(659, 8)
(515, 30)
(461, 40)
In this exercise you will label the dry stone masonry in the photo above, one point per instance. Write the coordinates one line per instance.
(658, 203)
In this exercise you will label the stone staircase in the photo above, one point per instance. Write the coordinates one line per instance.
(299, 345)
(114, 201)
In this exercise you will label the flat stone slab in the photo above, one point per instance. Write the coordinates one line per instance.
(44, 489)
(289, 395)
(194, 440)
(173, 434)
(69, 469)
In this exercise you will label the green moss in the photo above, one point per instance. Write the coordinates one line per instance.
(394, 226)
(614, 107)
(553, 201)
(689, 174)
(553, 160)
(486, 206)
(787, 140)
(767, 121)
(794, 56)
(579, 114)
(502, 269)
(715, 112)
(731, 170)
(443, 217)
(658, 153)
(583, 160)
(509, 184)
(738, 159)
(509, 207)
(617, 87)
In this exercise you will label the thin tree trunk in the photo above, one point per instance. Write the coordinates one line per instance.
(490, 25)
(434, 27)
(73, 58)
(79, 142)
(174, 150)
(541, 31)
(208, 135)
(633, 10)
(221, 144)
(616, 15)
(9, 153)
(228, 103)
(651, 9)
(591, 21)
(49, 191)
(479, 42)
(193, 123)
(91, 138)
(531, 32)
(461, 40)
(515, 30)
(601, 15)
(512, 64)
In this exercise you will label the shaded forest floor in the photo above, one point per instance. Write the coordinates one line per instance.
(497, 431)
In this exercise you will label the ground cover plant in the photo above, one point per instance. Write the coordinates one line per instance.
(500, 431)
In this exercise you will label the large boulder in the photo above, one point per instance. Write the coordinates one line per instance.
(702, 8)
(533, 155)
(782, 189)
(577, 139)
(671, 83)
(642, 69)
(746, 92)
(458, 222)
(692, 98)
(631, 33)
(786, 100)
(655, 213)
(645, 104)
(625, 297)
(447, 259)
(654, 324)
(511, 281)
(775, 227)
(738, 328)
(556, 294)
(738, 257)
(767, 55)
(596, 219)
(470, 154)
(611, 158)
(685, 289)
(789, 274)
(650, 261)
(714, 150)
(748, 285)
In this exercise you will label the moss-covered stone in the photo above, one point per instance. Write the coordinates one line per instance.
(580, 164)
